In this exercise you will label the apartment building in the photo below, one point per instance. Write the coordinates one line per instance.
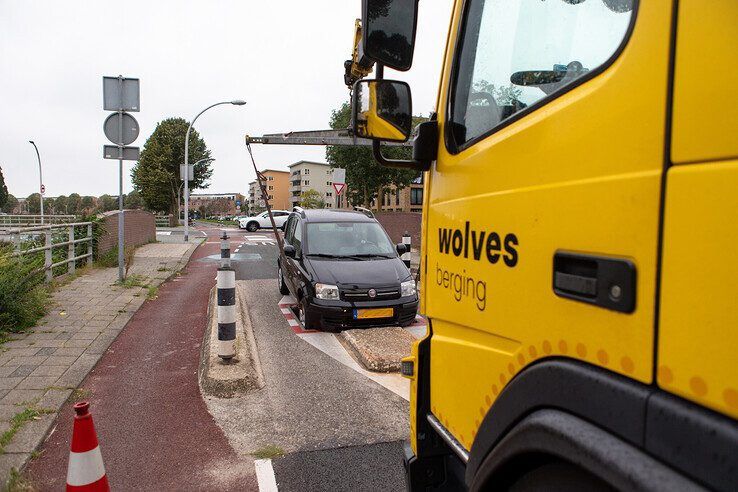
(216, 203)
(306, 175)
(277, 186)
(408, 199)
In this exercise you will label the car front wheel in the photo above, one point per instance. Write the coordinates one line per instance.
(252, 227)
(282, 286)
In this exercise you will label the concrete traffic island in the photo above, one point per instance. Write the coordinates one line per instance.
(242, 373)
(378, 349)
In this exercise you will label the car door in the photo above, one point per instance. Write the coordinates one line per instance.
(280, 218)
(290, 268)
(553, 116)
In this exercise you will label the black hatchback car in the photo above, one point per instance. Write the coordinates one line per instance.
(344, 271)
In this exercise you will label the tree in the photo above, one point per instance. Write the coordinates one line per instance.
(364, 176)
(156, 175)
(106, 203)
(3, 190)
(311, 199)
(87, 204)
(74, 204)
(133, 200)
(10, 204)
(33, 202)
(49, 206)
(61, 205)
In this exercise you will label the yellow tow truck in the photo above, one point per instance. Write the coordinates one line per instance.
(580, 232)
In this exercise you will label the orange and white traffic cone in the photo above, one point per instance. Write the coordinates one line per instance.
(86, 471)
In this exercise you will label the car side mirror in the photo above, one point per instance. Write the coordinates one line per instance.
(290, 251)
(382, 110)
(388, 31)
(401, 248)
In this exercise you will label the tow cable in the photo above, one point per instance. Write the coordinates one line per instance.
(262, 186)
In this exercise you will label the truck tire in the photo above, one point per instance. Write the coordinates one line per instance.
(558, 476)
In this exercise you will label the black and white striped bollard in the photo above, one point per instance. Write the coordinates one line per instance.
(407, 241)
(226, 312)
(225, 251)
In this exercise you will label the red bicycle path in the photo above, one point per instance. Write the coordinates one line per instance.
(153, 426)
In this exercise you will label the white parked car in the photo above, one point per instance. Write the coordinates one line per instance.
(261, 221)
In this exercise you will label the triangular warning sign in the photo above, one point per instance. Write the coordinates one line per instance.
(339, 187)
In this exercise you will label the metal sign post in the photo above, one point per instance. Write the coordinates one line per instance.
(121, 94)
(339, 183)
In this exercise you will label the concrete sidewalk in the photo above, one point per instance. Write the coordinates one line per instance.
(40, 370)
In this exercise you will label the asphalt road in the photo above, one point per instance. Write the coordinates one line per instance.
(339, 430)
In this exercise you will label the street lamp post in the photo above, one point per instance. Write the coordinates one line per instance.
(186, 162)
(187, 175)
(40, 181)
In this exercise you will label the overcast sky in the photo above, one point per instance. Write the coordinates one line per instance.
(284, 57)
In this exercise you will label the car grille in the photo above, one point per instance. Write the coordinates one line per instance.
(363, 294)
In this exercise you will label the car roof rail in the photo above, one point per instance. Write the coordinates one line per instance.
(365, 211)
(299, 210)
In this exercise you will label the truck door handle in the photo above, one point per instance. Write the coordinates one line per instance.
(603, 281)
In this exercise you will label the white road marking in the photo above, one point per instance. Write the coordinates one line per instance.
(164, 233)
(329, 345)
(265, 476)
(237, 249)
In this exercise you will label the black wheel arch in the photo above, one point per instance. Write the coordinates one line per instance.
(698, 442)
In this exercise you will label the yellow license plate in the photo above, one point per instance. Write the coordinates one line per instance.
(373, 313)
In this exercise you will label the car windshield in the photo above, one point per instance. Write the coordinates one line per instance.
(348, 239)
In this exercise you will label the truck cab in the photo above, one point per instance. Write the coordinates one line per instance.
(579, 272)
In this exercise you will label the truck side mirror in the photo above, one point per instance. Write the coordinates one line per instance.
(382, 110)
(388, 31)
(289, 251)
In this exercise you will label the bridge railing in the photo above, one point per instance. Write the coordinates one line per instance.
(27, 220)
(54, 237)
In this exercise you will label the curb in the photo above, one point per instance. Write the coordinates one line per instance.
(240, 375)
(372, 353)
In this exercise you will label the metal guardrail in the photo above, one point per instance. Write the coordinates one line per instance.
(31, 220)
(17, 237)
(163, 220)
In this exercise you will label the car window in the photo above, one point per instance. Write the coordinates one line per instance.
(515, 53)
(348, 238)
(297, 236)
(289, 230)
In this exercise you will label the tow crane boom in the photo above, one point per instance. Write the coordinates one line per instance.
(317, 137)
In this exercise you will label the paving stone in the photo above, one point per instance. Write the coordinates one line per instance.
(9, 383)
(32, 361)
(85, 335)
(46, 351)
(28, 437)
(77, 343)
(60, 360)
(21, 352)
(10, 461)
(54, 398)
(69, 351)
(23, 371)
(6, 371)
(21, 397)
(7, 411)
(37, 382)
(49, 371)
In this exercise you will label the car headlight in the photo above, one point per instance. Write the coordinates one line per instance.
(326, 291)
(407, 288)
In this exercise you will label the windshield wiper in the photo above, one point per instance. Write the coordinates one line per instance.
(373, 255)
(323, 255)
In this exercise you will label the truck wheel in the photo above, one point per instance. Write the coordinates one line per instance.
(252, 227)
(558, 476)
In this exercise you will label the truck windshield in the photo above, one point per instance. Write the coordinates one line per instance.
(514, 53)
(348, 239)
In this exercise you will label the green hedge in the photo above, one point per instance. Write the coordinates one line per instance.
(23, 295)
